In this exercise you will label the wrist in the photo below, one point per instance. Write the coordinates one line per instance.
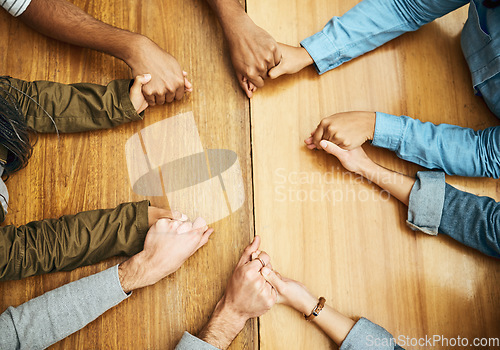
(223, 326)
(306, 304)
(370, 120)
(131, 275)
(304, 58)
(134, 52)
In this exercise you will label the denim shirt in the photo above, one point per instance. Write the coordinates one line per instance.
(372, 23)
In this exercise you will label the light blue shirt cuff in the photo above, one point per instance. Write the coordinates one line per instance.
(389, 131)
(322, 51)
(426, 202)
(190, 342)
(367, 335)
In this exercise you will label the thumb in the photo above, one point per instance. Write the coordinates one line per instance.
(276, 71)
(139, 81)
(247, 253)
(332, 148)
(272, 278)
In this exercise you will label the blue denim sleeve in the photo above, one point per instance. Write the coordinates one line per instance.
(453, 149)
(370, 24)
(469, 219)
(368, 335)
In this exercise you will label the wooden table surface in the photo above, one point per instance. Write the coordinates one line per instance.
(352, 246)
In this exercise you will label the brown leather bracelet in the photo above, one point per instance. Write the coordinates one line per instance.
(317, 309)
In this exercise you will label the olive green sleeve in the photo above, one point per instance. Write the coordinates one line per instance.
(73, 107)
(72, 240)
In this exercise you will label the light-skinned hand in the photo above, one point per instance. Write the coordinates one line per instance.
(348, 130)
(247, 293)
(290, 292)
(136, 97)
(168, 80)
(293, 59)
(354, 160)
(155, 214)
(168, 244)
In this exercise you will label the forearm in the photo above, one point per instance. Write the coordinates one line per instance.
(453, 149)
(332, 322)
(72, 240)
(55, 315)
(396, 184)
(229, 13)
(223, 327)
(61, 20)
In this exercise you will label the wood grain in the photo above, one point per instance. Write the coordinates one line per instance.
(89, 171)
(352, 245)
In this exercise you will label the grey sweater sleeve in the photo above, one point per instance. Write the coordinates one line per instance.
(190, 342)
(55, 315)
(367, 335)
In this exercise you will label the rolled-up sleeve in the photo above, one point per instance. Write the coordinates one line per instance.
(426, 202)
(190, 342)
(367, 335)
(15, 7)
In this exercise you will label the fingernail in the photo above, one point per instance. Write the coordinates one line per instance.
(147, 76)
(323, 144)
(184, 217)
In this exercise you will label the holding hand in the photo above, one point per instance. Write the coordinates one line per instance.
(168, 244)
(293, 60)
(348, 130)
(168, 81)
(247, 295)
(290, 292)
(253, 53)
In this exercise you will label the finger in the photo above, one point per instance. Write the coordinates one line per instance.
(278, 57)
(247, 253)
(204, 238)
(258, 81)
(272, 278)
(309, 140)
(318, 136)
(199, 223)
(264, 258)
(173, 214)
(245, 86)
(255, 254)
(185, 227)
(277, 71)
(150, 98)
(160, 99)
(139, 81)
(179, 93)
(313, 146)
(332, 148)
(187, 84)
